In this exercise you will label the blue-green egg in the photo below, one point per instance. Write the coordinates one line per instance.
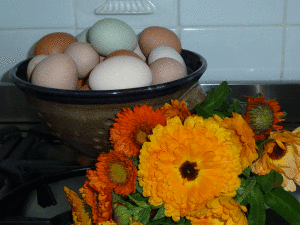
(108, 35)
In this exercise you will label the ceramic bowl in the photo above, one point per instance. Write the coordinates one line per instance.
(82, 119)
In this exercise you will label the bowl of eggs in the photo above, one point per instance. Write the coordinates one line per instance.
(77, 85)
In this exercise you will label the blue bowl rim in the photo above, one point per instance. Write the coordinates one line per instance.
(109, 96)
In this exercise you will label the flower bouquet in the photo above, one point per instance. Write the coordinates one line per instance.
(218, 164)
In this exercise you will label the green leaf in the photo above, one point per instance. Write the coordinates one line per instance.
(141, 215)
(285, 204)
(209, 113)
(257, 95)
(135, 160)
(269, 181)
(123, 215)
(139, 197)
(139, 203)
(237, 106)
(257, 212)
(215, 98)
(244, 190)
(160, 214)
(138, 187)
(247, 172)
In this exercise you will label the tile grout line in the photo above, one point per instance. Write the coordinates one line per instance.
(75, 17)
(178, 18)
(284, 28)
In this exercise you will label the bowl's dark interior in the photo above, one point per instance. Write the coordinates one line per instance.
(196, 66)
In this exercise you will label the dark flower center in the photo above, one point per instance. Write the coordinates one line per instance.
(189, 170)
(277, 153)
(261, 118)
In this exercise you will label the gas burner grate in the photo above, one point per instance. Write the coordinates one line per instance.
(29, 163)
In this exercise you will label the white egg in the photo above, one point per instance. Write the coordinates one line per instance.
(165, 52)
(120, 72)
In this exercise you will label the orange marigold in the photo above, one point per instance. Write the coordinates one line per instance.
(263, 116)
(80, 216)
(282, 155)
(185, 165)
(222, 210)
(117, 172)
(132, 127)
(176, 108)
(244, 136)
(97, 196)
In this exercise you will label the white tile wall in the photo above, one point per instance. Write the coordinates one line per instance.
(241, 39)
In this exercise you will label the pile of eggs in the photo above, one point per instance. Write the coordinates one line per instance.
(113, 57)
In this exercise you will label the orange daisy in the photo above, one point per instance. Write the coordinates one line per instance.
(176, 108)
(244, 137)
(132, 128)
(262, 116)
(97, 196)
(282, 155)
(117, 172)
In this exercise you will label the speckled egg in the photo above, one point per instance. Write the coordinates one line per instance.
(53, 43)
(154, 36)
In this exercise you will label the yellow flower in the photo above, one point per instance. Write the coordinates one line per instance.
(135, 223)
(185, 165)
(263, 116)
(176, 108)
(80, 216)
(110, 222)
(244, 137)
(220, 211)
(132, 127)
(282, 155)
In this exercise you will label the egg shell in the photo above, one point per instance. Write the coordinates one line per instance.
(32, 63)
(163, 52)
(85, 57)
(120, 72)
(53, 43)
(56, 71)
(108, 35)
(166, 70)
(123, 52)
(138, 51)
(154, 36)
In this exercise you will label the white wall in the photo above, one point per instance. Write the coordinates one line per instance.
(241, 39)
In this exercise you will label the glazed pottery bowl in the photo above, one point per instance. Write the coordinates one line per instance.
(82, 119)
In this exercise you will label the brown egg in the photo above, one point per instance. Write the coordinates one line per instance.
(56, 71)
(53, 43)
(123, 52)
(166, 70)
(152, 37)
(85, 57)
